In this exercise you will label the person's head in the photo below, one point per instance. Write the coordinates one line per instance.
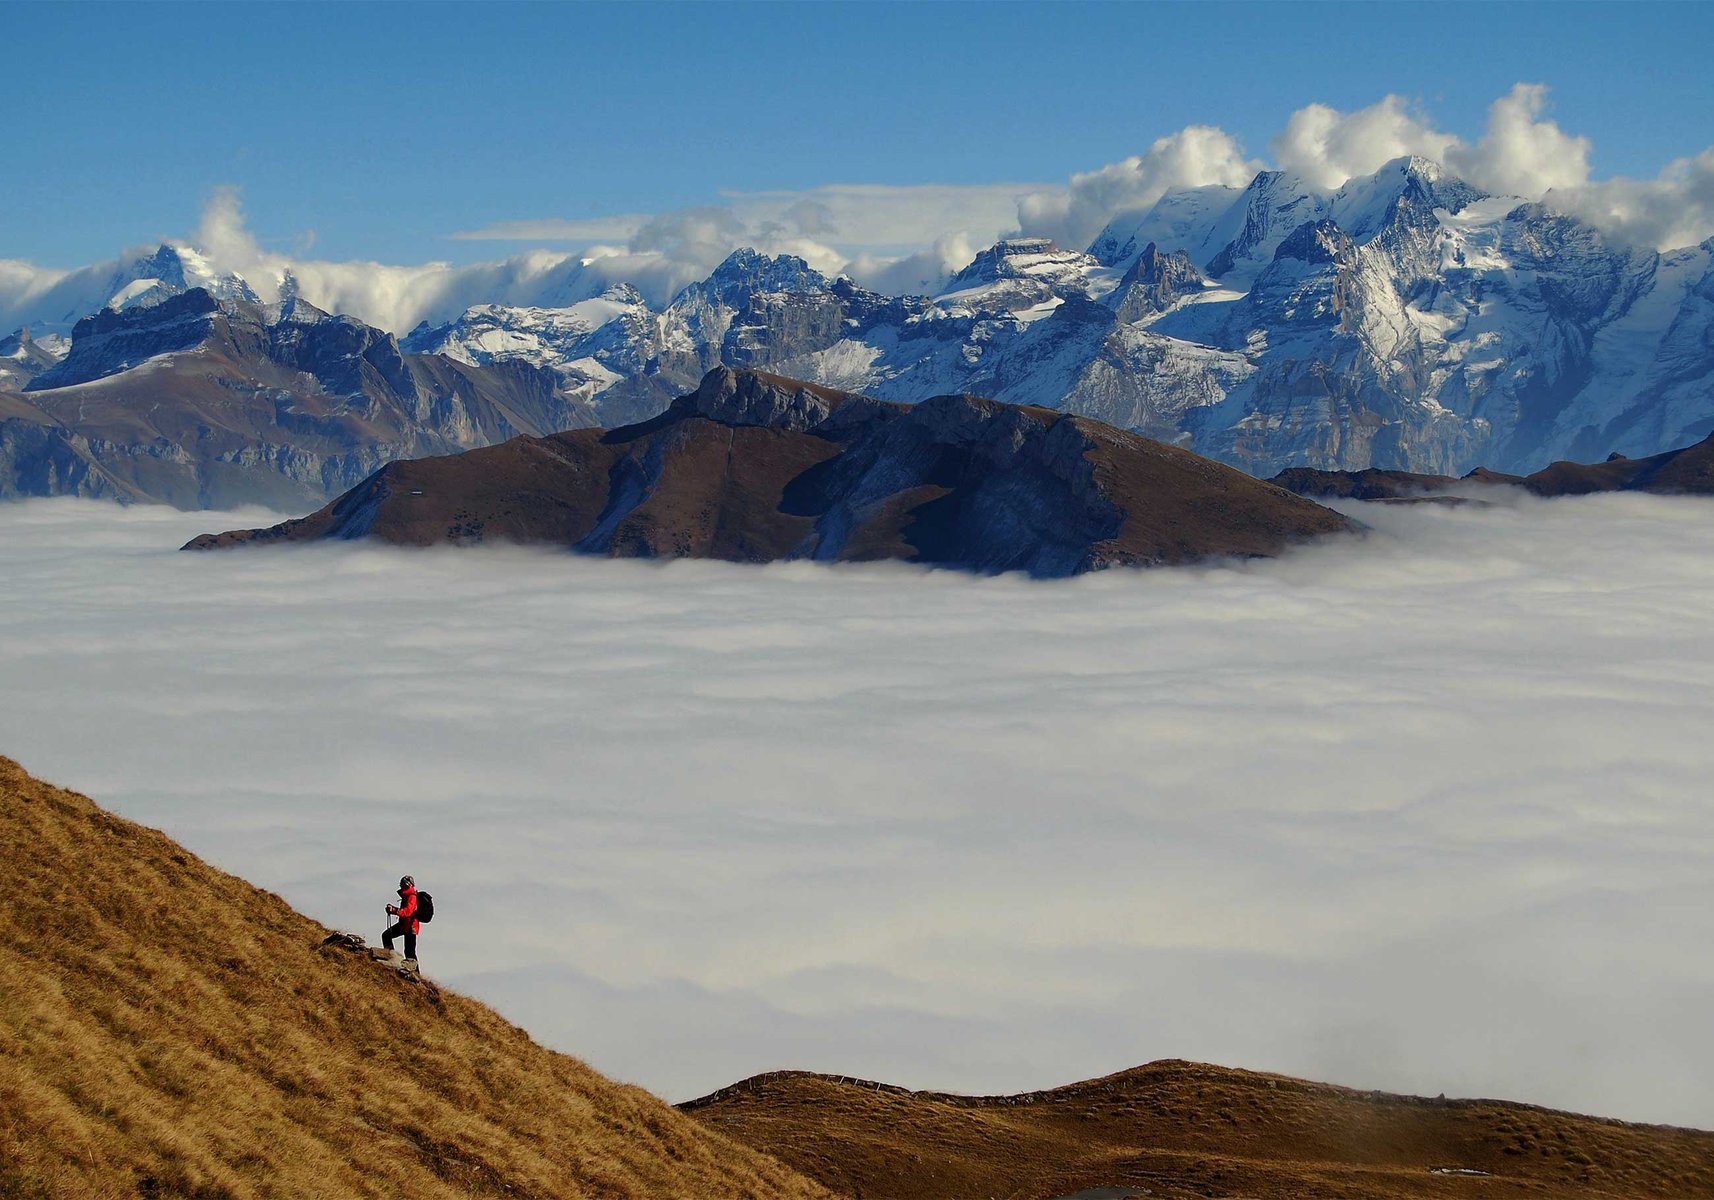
(406, 882)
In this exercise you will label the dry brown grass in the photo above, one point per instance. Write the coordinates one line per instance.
(1178, 1130)
(169, 1030)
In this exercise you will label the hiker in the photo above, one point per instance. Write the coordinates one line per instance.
(408, 924)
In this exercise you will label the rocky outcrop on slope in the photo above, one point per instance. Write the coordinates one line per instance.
(1153, 283)
(753, 467)
(204, 402)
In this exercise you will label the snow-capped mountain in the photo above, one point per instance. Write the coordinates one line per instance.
(137, 279)
(1404, 320)
(590, 345)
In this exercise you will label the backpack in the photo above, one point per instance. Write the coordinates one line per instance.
(425, 907)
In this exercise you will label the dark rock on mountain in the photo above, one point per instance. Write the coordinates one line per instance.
(1153, 283)
(1685, 472)
(753, 467)
(112, 341)
(202, 402)
(1317, 242)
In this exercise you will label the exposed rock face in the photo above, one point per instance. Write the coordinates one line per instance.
(753, 467)
(1685, 472)
(1153, 284)
(203, 402)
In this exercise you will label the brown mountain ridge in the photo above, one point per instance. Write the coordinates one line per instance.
(1175, 1130)
(1687, 471)
(753, 467)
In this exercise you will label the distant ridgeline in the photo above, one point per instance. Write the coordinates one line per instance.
(1405, 321)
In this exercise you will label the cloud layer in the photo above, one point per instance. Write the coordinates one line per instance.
(1425, 811)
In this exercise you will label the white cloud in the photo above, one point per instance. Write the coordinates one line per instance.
(922, 273)
(1424, 811)
(1328, 147)
(1522, 154)
(1672, 210)
(866, 231)
(1195, 156)
(855, 217)
(886, 236)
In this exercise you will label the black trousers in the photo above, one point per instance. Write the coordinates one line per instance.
(410, 938)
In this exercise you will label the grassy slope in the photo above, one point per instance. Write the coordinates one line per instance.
(1178, 1130)
(169, 1030)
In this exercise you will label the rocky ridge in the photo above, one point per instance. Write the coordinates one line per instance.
(753, 467)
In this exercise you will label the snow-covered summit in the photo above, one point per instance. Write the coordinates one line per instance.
(137, 279)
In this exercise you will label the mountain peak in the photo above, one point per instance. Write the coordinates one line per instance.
(767, 273)
(1006, 258)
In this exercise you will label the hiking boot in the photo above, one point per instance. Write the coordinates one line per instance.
(409, 964)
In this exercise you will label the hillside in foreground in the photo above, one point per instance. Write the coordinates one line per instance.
(1178, 1130)
(169, 1030)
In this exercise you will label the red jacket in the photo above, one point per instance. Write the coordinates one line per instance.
(408, 908)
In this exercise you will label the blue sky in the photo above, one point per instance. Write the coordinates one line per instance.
(377, 131)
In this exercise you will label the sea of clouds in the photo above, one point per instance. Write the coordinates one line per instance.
(1427, 811)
